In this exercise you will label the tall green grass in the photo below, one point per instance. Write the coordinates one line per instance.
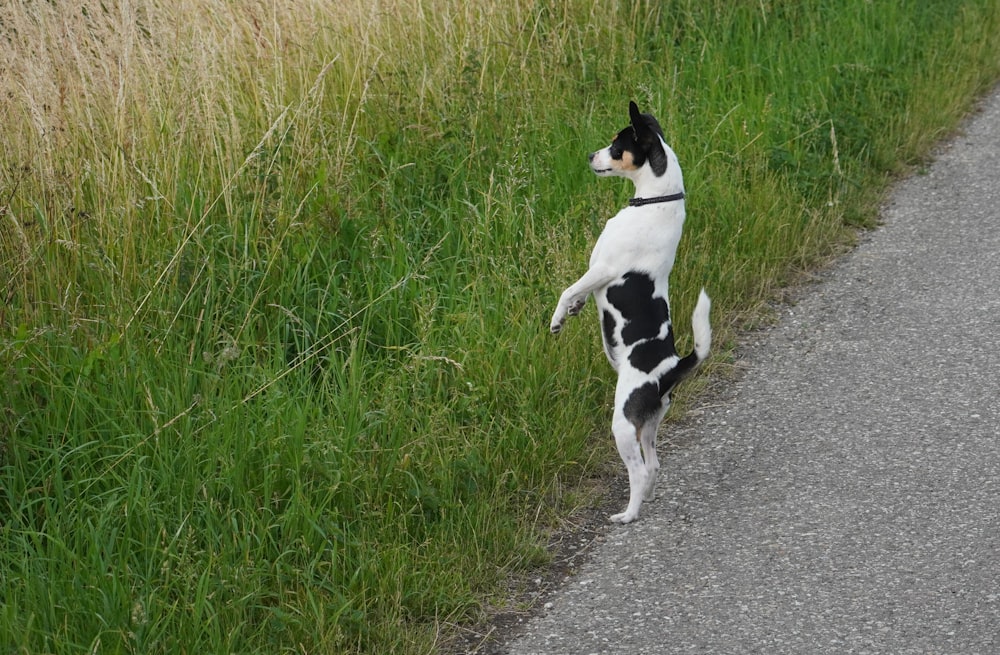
(275, 278)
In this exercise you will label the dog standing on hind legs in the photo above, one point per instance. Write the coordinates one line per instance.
(628, 277)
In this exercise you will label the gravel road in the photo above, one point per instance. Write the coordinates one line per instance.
(843, 496)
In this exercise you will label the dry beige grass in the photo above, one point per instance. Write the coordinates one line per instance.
(127, 97)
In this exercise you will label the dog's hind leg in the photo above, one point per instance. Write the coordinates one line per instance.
(648, 441)
(652, 464)
(627, 439)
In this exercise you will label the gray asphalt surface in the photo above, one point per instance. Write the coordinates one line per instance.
(844, 495)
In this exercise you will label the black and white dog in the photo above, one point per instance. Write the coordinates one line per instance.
(628, 274)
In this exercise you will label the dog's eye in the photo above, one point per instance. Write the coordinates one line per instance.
(615, 151)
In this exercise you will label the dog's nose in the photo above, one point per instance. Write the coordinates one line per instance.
(590, 157)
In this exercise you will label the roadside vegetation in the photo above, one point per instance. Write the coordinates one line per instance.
(275, 278)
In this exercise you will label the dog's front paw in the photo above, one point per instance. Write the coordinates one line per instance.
(575, 307)
(558, 318)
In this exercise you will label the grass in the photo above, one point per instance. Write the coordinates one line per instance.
(275, 280)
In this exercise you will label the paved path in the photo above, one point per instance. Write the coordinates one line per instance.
(844, 495)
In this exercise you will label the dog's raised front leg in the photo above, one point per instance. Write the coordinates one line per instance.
(574, 297)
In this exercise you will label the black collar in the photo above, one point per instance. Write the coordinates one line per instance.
(639, 202)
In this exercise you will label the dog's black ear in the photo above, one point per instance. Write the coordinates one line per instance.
(633, 113)
(644, 127)
(635, 117)
(648, 134)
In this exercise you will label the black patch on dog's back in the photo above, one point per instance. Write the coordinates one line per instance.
(643, 314)
(648, 355)
(646, 400)
(608, 324)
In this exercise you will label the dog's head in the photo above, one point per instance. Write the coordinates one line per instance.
(636, 146)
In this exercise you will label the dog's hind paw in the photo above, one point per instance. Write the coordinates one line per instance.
(624, 517)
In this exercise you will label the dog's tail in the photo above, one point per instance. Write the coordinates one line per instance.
(702, 344)
(701, 327)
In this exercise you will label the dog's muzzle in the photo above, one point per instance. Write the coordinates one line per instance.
(590, 158)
